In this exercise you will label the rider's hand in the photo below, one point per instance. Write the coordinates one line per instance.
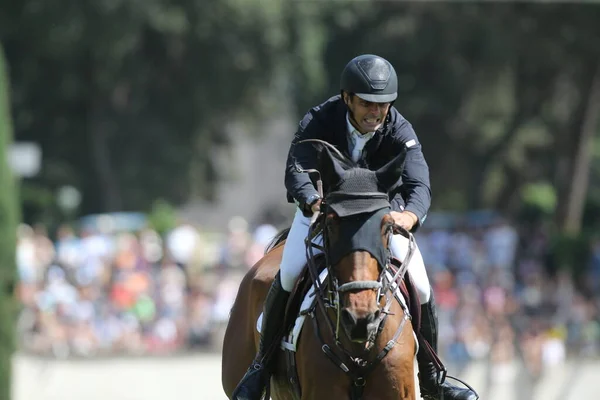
(405, 219)
(316, 206)
(310, 209)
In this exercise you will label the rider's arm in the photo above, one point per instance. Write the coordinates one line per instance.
(415, 194)
(298, 184)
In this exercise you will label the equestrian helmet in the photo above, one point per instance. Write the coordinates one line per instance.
(370, 77)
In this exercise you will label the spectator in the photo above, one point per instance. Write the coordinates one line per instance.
(104, 292)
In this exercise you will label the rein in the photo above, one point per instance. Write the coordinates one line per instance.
(328, 293)
(328, 296)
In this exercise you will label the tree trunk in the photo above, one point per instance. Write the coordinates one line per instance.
(9, 216)
(577, 183)
(507, 200)
(478, 174)
(99, 135)
(100, 151)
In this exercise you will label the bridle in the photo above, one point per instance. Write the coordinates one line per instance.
(328, 292)
(328, 295)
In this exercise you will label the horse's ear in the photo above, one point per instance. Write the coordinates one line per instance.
(389, 174)
(330, 168)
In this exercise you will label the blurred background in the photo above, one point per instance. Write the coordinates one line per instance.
(143, 150)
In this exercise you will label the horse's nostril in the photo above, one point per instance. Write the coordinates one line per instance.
(348, 318)
(360, 329)
(375, 316)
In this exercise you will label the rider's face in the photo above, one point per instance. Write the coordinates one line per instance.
(367, 116)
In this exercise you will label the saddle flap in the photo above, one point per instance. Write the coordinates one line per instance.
(297, 296)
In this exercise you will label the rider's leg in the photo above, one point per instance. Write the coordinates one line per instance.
(253, 384)
(430, 388)
(416, 266)
(293, 258)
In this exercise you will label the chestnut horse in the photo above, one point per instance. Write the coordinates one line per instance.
(358, 341)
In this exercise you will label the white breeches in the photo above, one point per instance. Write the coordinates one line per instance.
(294, 257)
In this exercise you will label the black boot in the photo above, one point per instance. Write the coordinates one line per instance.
(253, 385)
(431, 389)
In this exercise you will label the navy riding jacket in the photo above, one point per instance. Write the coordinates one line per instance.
(327, 122)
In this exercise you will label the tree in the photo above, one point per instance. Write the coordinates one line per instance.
(130, 101)
(488, 101)
(8, 227)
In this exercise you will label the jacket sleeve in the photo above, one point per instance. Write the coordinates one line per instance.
(415, 191)
(298, 184)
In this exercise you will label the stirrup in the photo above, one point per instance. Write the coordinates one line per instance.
(255, 371)
(464, 383)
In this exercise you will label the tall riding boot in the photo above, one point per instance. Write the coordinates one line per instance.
(431, 389)
(254, 383)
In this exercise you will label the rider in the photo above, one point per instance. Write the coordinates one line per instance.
(362, 123)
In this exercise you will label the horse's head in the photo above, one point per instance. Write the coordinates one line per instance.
(357, 230)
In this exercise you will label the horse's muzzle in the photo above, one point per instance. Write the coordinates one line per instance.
(360, 329)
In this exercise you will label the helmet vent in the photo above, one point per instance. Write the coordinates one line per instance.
(376, 71)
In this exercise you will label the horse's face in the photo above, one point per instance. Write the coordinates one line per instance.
(358, 226)
(359, 306)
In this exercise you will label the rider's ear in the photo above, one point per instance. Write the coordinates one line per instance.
(346, 98)
(390, 174)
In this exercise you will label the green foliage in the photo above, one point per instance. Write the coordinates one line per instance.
(540, 195)
(8, 225)
(124, 96)
(162, 217)
(131, 99)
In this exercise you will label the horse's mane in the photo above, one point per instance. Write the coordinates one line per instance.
(278, 239)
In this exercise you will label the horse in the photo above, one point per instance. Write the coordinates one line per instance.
(369, 350)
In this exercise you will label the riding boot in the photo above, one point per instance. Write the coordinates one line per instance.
(431, 389)
(254, 383)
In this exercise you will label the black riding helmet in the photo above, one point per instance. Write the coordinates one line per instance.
(370, 77)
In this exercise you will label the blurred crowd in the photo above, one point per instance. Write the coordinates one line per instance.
(502, 299)
(97, 291)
